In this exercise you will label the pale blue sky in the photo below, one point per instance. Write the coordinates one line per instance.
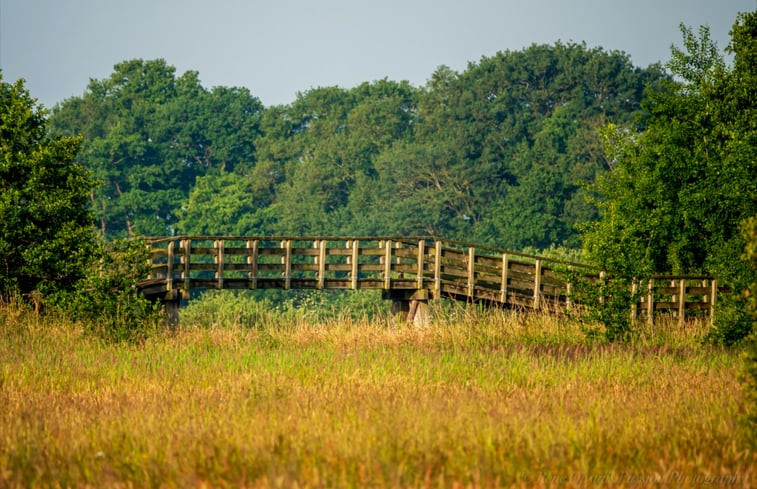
(277, 48)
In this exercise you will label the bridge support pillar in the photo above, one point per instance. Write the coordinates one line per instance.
(409, 305)
(172, 312)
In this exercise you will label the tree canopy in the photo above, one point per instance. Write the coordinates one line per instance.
(679, 189)
(498, 153)
(149, 134)
(45, 224)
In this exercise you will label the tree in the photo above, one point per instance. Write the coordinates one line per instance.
(46, 234)
(499, 151)
(229, 204)
(149, 134)
(679, 189)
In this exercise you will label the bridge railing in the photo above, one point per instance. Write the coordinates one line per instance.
(439, 268)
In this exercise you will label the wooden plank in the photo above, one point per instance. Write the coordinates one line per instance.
(634, 305)
(305, 252)
(203, 251)
(420, 262)
(321, 263)
(503, 278)
(406, 252)
(287, 262)
(522, 267)
(713, 298)
(219, 258)
(537, 284)
(471, 270)
(252, 261)
(371, 267)
(387, 264)
(681, 301)
(488, 261)
(187, 264)
(271, 251)
(354, 274)
(437, 268)
(169, 266)
(703, 290)
(236, 267)
(671, 291)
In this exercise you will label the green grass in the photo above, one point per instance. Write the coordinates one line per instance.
(480, 400)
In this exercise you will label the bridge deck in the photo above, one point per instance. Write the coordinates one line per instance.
(406, 268)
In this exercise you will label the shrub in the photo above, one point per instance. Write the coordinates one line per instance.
(107, 298)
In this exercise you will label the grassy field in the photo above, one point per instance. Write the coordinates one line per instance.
(473, 401)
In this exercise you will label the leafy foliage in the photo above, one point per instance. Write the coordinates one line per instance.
(107, 299)
(749, 228)
(679, 189)
(45, 223)
(148, 135)
(497, 153)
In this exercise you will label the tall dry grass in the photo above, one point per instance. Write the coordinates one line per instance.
(475, 400)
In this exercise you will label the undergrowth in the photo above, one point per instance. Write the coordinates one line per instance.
(478, 398)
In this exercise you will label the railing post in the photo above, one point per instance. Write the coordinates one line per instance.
(186, 260)
(537, 284)
(321, 263)
(602, 276)
(438, 268)
(287, 262)
(503, 282)
(682, 301)
(252, 262)
(398, 260)
(219, 245)
(713, 299)
(387, 264)
(471, 270)
(634, 305)
(169, 267)
(421, 262)
(569, 290)
(650, 302)
(354, 270)
(150, 261)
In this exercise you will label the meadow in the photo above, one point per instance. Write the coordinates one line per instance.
(477, 399)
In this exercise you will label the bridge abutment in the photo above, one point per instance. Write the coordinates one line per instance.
(171, 307)
(409, 305)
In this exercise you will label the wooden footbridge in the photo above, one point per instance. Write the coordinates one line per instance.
(408, 270)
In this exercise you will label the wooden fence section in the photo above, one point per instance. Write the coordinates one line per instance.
(406, 269)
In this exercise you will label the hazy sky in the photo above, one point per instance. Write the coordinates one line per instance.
(277, 48)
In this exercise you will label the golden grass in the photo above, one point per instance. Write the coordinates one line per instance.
(474, 400)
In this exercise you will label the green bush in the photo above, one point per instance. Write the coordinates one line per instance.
(46, 236)
(749, 229)
(107, 299)
(260, 309)
(605, 306)
(226, 308)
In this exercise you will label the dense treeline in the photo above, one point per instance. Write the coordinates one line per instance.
(498, 154)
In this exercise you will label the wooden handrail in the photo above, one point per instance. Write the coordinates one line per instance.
(437, 267)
